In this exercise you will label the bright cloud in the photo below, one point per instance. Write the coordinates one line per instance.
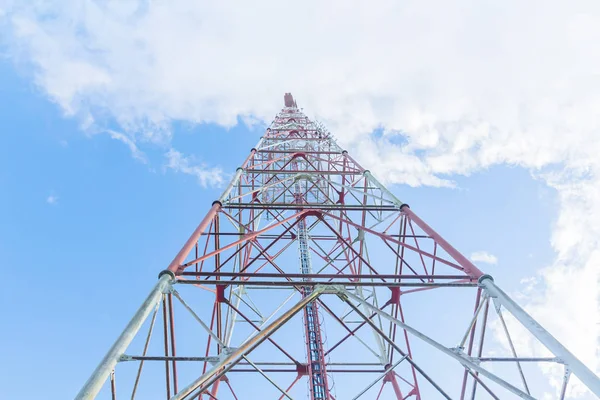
(484, 257)
(52, 199)
(463, 85)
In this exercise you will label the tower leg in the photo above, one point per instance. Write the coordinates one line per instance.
(577, 367)
(101, 373)
(396, 386)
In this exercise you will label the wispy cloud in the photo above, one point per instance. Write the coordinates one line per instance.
(484, 257)
(206, 176)
(52, 199)
(135, 151)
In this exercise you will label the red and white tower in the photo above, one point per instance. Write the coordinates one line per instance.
(307, 278)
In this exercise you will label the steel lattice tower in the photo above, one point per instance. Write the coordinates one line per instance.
(307, 278)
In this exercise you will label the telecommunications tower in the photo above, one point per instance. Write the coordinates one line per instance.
(308, 278)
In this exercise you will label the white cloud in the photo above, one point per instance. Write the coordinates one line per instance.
(484, 257)
(52, 199)
(135, 151)
(466, 84)
(206, 176)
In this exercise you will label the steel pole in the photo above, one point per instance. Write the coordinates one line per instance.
(96, 381)
(584, 374)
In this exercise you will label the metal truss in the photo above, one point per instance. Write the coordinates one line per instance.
(308, 278)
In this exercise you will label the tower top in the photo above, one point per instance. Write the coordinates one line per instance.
(288, 100)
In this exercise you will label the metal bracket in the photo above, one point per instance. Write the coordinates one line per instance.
(330, 289)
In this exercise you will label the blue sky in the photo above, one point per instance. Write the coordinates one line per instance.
(81, 265)
(117, 137)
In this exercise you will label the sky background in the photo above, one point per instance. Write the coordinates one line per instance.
(121, 122)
